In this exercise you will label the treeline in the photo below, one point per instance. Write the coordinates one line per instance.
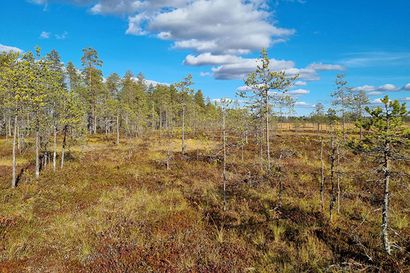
(40, 97)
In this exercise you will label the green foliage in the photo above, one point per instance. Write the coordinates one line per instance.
(384, 126)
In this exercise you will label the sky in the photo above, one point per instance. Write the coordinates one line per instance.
(218, 41)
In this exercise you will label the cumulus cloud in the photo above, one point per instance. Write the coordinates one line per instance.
(240, 69)
(373, 89)
(298, 92)
(374, 93)
(365, 88)
(376, 101)
(210, 59)
(407, 87)
(44, 35)
(388, 87)
(5, 48)
(219, 32)
(205, 26)
(326, 67)
(300, 83)
(302, 104)
(153, 83)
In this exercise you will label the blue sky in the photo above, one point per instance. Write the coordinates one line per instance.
(217, 41)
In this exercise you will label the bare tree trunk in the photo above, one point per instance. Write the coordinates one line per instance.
(6, 128)
(267, 132)
(260, 137)
(95, 122)
(55, 149)
(224, 159)
(386, 197)
(322, 177)
(183, 131)
(63, 146)
(160, 122)
(169, 133)
(344, 126)
(37, 153)
(14, 179)
(118, 129)
(9, 133)
(338, 178)
(332, 178)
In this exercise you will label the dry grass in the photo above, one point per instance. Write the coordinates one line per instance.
(117, 209)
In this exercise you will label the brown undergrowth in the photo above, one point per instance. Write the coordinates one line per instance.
(118, 209)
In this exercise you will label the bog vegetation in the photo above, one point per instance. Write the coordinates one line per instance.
(117, 175)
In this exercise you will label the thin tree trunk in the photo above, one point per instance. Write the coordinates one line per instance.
(9, 127)
(183, 130)
(344, 127)
(386, 197)
(118, 129)
(332, 178)
(95, 121)
(322, 177)
(55, 149)
(267, 132)
(338, 178)
(37, 153)
(224, 159)
(63, 146)
(6, 128)
(14, 179)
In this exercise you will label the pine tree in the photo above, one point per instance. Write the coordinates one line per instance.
(264, 86)
(384, 141)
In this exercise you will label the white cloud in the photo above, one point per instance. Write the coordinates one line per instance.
(153, 83)
(407, 87)
(326, 67)
(210, 59)
(61, 36)
(388, 87)
(365, 88)
(5, 48)
(204, 74)
(302, 104)
(404, 99)
(205, 26)
(44, 35)
(244, 88)
(240, 69)
(374, 93)
(300, 83)
(373, 89)
(298, 92)
(372, 59)
(215, 26)
(377, 101)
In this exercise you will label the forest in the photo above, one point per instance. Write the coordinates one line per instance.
(117, 174)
